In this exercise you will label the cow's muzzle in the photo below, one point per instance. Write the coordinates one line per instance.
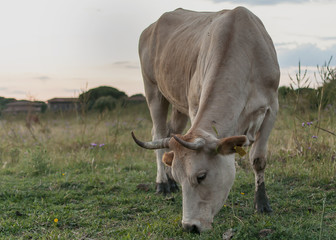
(192, 228)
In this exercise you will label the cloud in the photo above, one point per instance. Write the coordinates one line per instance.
(43, 78)
(269, 2)
(120, 62)
(18, 92)
(327, 38)
(307, 54)
(314, 36)
(127, 64)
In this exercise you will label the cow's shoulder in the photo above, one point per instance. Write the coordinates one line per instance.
(241, 11)
(179, 17)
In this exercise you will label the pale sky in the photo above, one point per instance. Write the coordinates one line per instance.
(57, 48)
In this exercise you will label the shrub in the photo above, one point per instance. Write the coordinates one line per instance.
(284, 92)
(300, 95)
(104, 103)
(40, 162)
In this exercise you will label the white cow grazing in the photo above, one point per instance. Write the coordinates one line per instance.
(219, 69)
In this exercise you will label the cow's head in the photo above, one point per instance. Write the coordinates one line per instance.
(205, 169)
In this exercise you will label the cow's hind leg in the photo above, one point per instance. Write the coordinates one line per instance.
(177, 123)
(258, 161)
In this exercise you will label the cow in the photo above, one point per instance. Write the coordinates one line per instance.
(219, 69)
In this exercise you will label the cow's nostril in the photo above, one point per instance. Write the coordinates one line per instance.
(195, 229)
(192, 228)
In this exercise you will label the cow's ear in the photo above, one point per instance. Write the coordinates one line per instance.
(168, 158)
(229, 145)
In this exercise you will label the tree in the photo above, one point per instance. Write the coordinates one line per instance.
(4, 102)
(89, 98)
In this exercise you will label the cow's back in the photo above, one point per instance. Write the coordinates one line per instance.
(186, 53)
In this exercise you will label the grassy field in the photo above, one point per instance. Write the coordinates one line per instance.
(78, 176)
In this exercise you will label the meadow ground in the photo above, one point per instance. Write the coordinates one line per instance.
(79, 176)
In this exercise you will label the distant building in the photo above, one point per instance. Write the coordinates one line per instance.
(63, 104)
(23, 107)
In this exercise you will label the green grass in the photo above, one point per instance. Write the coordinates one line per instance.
(51, 171)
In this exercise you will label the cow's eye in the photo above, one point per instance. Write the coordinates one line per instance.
(201, 177)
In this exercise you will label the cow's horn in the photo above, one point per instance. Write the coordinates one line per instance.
(158, 144)
(197, 144)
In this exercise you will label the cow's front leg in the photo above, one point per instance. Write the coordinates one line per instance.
(176, 125)
(164, 180)
(164, 184)
(158, 107)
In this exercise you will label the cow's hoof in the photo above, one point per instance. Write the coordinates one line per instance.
(166, 188)
(162, 188)
(173, 186)
(263, 207)
(261, 202)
